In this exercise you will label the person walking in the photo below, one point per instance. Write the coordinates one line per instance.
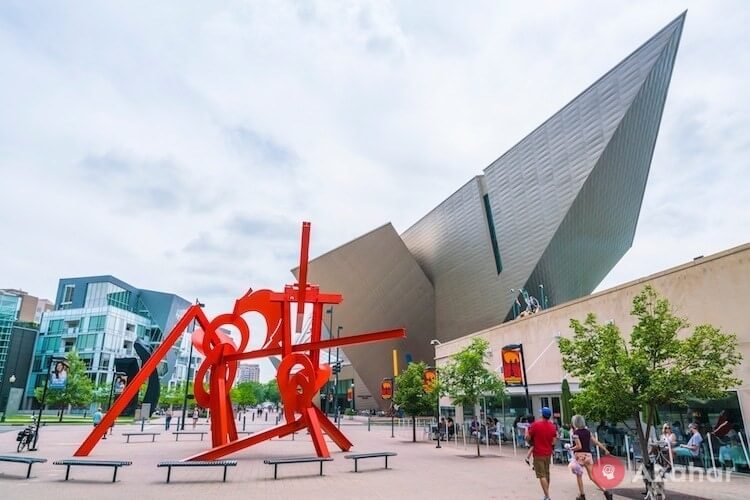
(581, 449)
(97, 418)
(542, 434)
(196, 415)
(167, 418)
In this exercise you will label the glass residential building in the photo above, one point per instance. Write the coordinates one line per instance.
(101, 317)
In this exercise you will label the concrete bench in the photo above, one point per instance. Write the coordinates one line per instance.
(295, 460)
(359, 456)
(128, 435)
(177, 434)
(198, 463)
(92, 463)
(23, 460)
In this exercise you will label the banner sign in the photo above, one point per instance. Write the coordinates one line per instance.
(58, 377)
(512, 368)
(386, 388)
(428, 380)
(121, 380)
(350, 394)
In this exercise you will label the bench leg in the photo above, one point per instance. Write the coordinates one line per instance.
(355, 464)
(225, 474)
(275, 468)
(114, 477)
(321, 467)
(153, 438)
(169, 472)
(67, 473)
(386, 461)
(176, 437)
(202, 436)
(28, 473)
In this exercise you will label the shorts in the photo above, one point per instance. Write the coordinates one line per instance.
(541, 467)
(584, 458)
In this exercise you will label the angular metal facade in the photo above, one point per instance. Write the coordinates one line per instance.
(560, 209)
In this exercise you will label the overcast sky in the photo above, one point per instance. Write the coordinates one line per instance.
(178, 146)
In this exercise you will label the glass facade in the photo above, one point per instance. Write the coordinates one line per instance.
(9, 306)
(101, 325)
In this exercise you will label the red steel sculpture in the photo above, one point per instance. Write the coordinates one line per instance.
(300, 375)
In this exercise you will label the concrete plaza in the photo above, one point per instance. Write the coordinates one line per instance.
(420, 471)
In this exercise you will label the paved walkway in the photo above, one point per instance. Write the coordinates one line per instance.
(420, 471)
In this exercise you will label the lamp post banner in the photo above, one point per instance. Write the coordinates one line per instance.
(386, 388)
(428, 380)
(512, 366)
(58, 376)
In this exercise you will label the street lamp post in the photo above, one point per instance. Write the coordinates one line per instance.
(435, 343)
(525, 380)
(187, 373)
(329, 311)
(336, 383)
(12, 380)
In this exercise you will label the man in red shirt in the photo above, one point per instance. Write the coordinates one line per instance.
(542, 436)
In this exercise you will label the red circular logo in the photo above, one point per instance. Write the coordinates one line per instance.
(609, 471)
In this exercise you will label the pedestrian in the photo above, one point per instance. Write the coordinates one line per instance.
(167, 418)
(196, 415)
(97, 418)
(581, 449)
(543, 434)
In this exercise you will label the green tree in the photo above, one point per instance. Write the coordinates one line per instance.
(172, 397)
(623, 380)
(411, 396)
(78, 391)
(272, 392)
(466, 378)
(100, 394)
(244, 394)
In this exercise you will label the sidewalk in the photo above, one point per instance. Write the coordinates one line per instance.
(420, 471)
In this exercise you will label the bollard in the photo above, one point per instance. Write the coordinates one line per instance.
(143, 422)
(368, 423)
(266, 416)
(253, 414)
(244, 419)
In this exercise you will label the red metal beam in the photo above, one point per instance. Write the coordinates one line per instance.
(399, 333)
(194, 312)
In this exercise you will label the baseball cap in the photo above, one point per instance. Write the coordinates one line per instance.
(546, 412)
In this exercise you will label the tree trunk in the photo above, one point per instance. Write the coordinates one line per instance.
(479, 433)
(413, 428)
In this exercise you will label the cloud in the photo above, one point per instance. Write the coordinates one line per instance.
(183, 156)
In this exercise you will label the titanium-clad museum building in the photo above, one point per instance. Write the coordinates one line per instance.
(559, 209)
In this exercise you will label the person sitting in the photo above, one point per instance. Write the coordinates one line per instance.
(667, 436)
(450, 428)
(724, 427)
(692, 449)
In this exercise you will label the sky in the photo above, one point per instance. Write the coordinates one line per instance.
(179, 145)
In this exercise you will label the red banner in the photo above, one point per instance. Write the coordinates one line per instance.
(386, 388)
(428, 380)
(350, 394)
(512, 367)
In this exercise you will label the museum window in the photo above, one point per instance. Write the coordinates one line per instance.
(493, 236)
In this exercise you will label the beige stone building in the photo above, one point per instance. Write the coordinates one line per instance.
(713, 289)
